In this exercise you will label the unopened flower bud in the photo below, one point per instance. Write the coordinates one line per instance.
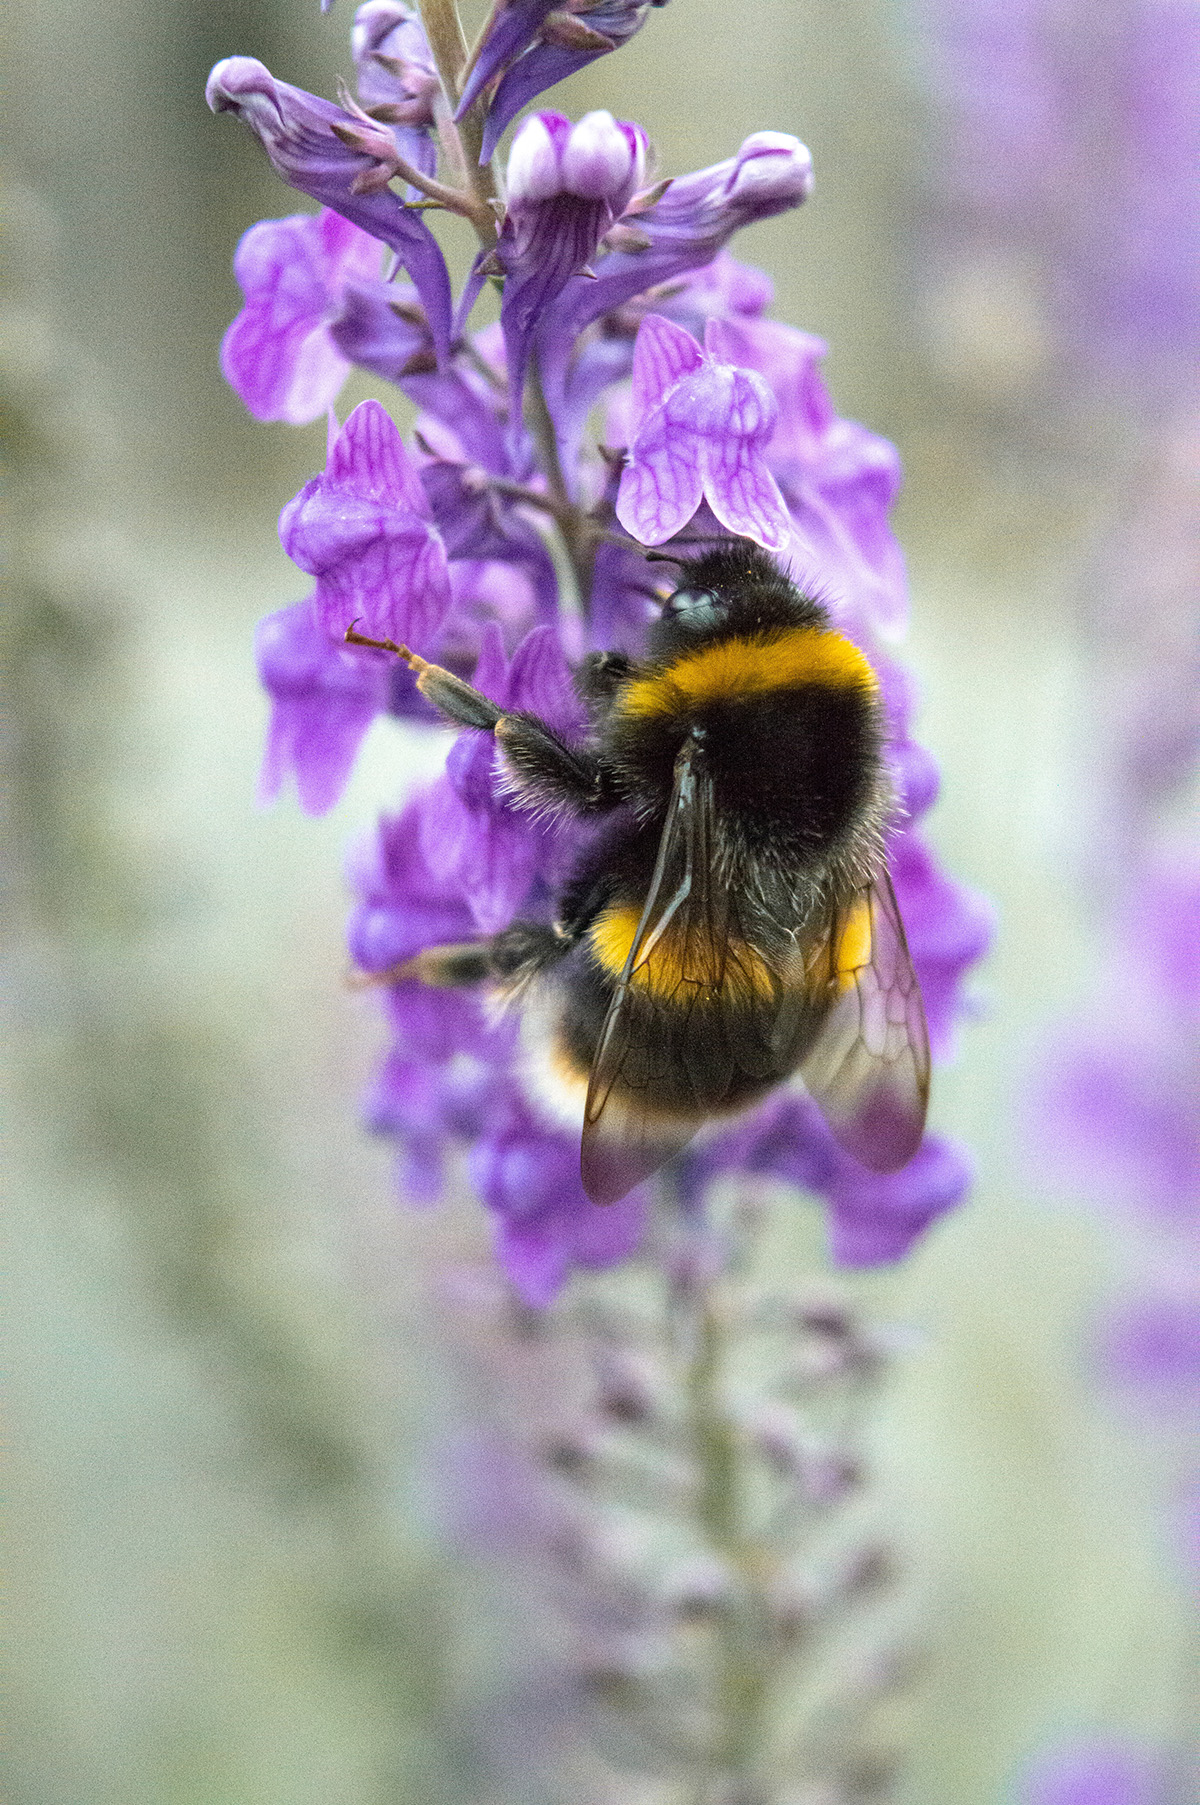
(604, 160)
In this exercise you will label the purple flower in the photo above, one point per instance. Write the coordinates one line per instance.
(381, 327)
(948, 926)
(397, 79)
(532, 44)
(362, 529)
(680, 232)
(279, 354)
(472, 836)
(528, 1176)
(1118, 1106)
(700, 428)
(324, 696)
(567, 184)
(685, 227)
(341, 160)
(1100, 1772)
(1069, 159)
(1151, 1345)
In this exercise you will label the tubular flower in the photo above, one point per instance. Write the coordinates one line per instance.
(532, 44)
(459, 547)
(340, 160)
(567, 184)
(280, 354)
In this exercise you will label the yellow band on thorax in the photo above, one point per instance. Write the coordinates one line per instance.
(734, 670)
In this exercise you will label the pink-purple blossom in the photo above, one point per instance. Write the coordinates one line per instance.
(279, 354)
(700, 425)
(363, 530)
(342, 161)
(567, 185)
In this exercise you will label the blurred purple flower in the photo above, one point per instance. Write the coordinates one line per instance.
(1151, 1345)
(324, 696)
(1072, 140)
(700, 427)
(1100, 1772)
(1118, 1109)
(279, 354)
(362, 529)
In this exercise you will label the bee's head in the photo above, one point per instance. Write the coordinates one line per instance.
(734, 589)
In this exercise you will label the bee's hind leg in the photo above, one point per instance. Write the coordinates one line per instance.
(517, 953)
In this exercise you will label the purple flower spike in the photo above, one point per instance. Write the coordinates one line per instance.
(567, 184)
(701, 426)
(323, 699)
(533, 44)
(279, 354)
(363, 531)
(342, 160)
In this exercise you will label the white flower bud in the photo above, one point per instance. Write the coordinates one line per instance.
(534, 173)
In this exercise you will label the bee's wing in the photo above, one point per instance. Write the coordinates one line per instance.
(868, 1070)
(642, 1036)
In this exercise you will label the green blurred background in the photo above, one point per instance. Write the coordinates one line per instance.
(226, 1578)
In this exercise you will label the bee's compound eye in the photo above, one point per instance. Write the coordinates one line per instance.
(693, 607)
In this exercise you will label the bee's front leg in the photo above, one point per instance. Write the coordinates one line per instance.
(545, 771)
(455, 699)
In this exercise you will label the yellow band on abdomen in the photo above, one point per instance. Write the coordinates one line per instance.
(679, 960)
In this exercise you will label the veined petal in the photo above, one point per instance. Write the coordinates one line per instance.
(278, 354)
(662, 484)
(662, 354)
(742, 493)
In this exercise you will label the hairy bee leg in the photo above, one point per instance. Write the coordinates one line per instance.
(518, 951)
(548, 772)
(457, 700)
(600, 675)
(545, 769)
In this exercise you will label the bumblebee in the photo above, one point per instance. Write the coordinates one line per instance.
(732, 923)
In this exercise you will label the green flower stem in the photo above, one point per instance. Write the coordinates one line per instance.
(744, 1655)
(443, 28)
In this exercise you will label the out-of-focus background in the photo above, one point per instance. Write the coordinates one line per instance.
(226, 1575)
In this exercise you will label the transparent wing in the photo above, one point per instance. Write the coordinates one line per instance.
(868, 1070)
(693, 950)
